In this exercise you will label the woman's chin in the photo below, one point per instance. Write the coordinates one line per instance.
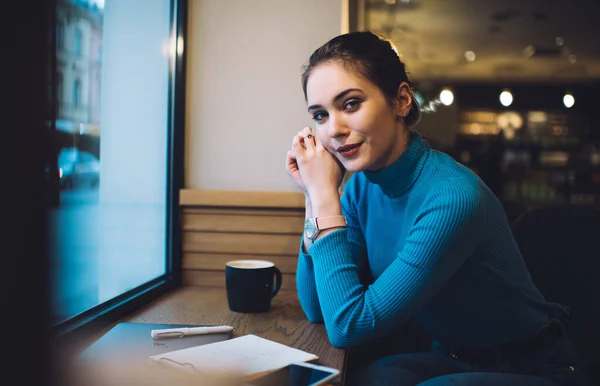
(355, 165)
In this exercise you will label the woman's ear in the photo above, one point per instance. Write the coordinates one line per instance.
(404, 100)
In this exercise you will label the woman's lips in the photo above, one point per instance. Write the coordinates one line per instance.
(349, 150)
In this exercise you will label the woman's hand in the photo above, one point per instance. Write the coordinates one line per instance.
(321, 174)
(291, 165)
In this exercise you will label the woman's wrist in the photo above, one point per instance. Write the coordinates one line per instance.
(326, 204)
(308, 213)
(307, 205)
(321, 205)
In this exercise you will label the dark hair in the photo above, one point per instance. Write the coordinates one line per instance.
(372, 57)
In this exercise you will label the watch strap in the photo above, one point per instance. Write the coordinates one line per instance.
(330, 222)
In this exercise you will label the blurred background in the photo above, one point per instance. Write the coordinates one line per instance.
(509, 88)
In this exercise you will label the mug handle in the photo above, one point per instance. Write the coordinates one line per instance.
(278, 281)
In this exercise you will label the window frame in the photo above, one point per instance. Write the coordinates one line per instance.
(60, 34)
(76, 93)
(78, 46)
(107, 313)
(60, 85)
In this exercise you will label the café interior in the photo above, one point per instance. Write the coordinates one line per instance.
(169, 125)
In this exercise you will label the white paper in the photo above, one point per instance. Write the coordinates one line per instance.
(247, 355)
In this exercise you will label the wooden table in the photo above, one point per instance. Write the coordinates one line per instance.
(284, 322)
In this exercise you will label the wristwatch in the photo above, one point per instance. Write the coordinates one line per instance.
(314, 225)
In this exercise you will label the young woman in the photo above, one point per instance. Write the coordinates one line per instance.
(430, 234)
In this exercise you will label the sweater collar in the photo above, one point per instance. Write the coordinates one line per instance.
(398, 177)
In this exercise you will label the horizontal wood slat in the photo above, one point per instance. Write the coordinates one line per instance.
(280, 212)
(262, 244)
(217, 279)
(220, 226)
(216, 262)
(245, 199)
(243, 223)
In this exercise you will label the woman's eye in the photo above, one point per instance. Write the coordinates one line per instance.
(351, 104)
(319, 116)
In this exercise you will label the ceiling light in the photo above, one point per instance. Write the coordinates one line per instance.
(560, 41)
(572, 59)
(446, 97)
(470, 56)
(529, 51)
(568, 100)
(506, 98)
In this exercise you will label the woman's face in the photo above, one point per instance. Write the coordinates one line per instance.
(354, 121)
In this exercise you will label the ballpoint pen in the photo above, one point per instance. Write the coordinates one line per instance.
(186, 331)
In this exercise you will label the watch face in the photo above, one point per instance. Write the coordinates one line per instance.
(310, 228)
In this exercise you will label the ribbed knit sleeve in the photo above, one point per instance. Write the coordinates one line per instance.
(449, 226)
(305, 278)
(306, 287)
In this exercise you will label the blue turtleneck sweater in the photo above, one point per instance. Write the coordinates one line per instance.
(439, 248)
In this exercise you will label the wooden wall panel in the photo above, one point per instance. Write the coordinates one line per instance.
(237, 199)
(221, 226)
(248, 243)
(217, 279)
(246, 221)
(216, 261)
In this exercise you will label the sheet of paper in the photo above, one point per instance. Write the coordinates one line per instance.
(248, 355)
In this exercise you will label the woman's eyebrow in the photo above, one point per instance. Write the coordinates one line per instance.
(335, 99)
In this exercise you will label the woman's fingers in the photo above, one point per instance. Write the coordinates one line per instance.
(303, 144)
(308, 135)
(318, 144)
(306, 131)
(298, 145)
(290, 158)
(291, 163)
(308, 139)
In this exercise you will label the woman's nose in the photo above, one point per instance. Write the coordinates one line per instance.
(337, 126)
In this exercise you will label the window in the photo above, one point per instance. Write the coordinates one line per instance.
(59, 87)
(76, 92)
(60, 35)
(114, 228)
(78, 42)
